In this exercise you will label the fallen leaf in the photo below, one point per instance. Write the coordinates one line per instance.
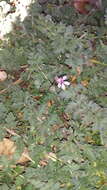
(62, 185)
(73, 78)
(54, 148)
(43, 163)
(37, 97)
(55, 128)
(20, 115)
(78, 70)
(51, 156)
(24, 157)
(50, 103)
(84, 83)
(47, 157)
(89, 139)
(8, 148)
(40, 142)
(66, 116)
(11, 132)
(18, 81)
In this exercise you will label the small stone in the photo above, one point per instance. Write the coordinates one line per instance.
(3, 76)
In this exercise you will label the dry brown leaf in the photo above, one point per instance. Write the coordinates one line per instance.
(18, 81)
(62, 185)
(54, 148)
(84, 83)
(66, 116)
(11, 132)
(73, 78)
(52, 156)
(55, 128)
(78, 70)
(20, 115)
(50, 103)
(24, 157)
(43, 163)
(40, 142)
(47, 157)
(37, 97)
(8, 148)
(89, 139)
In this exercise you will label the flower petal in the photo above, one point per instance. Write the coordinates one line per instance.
(66, 83)
(64, 77)
(63, 87)
(58, 80)
(59, 85)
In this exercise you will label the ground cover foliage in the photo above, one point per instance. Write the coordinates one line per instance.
(64, 131)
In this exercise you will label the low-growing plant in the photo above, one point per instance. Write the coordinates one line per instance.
(53, 104)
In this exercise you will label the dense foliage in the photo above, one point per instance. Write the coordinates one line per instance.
(65, 131)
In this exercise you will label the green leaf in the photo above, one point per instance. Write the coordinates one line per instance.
(4, 187)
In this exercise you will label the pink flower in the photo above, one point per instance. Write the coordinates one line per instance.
(62, 82)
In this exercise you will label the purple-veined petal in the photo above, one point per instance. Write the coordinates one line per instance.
(58, 80)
